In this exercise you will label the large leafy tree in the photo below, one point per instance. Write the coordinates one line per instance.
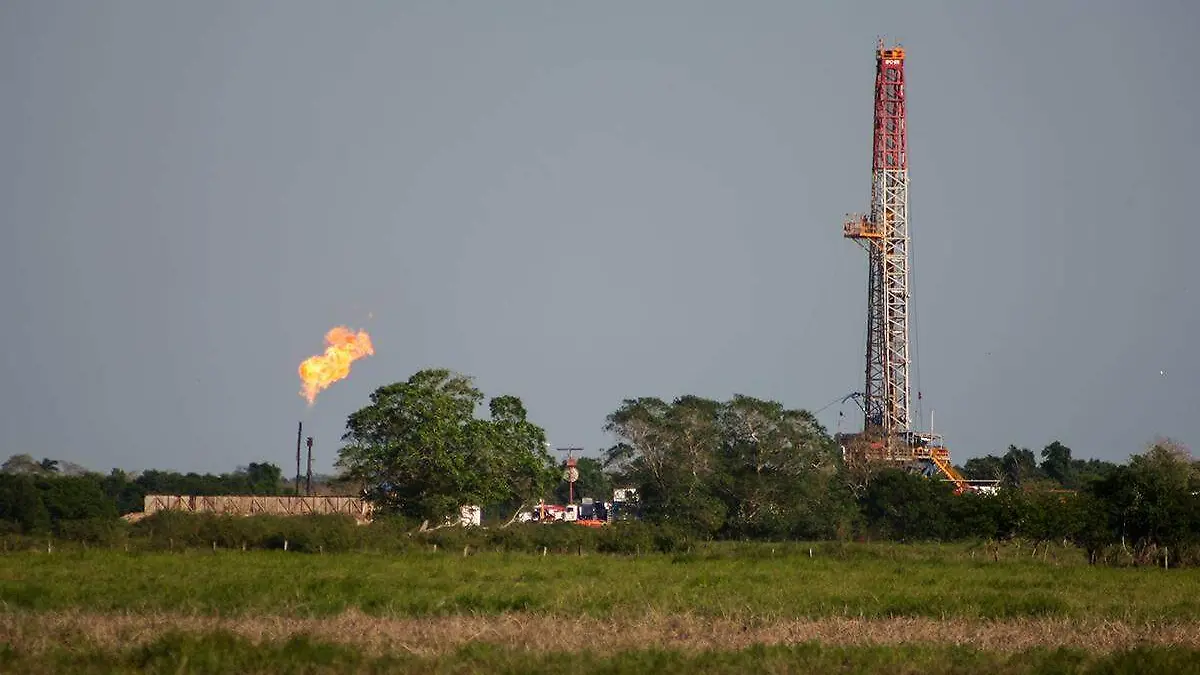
(76, 498)
(1152, 501)
(904, 506)
(782, 470)
(418, 449)
(1057, 465)
(262, 478)
(743, 467)
(21, 505)
(670, 451)
(988, 467)
(21, 464)
(1020, 466)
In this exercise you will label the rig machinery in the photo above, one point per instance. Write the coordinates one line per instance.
(888, 435)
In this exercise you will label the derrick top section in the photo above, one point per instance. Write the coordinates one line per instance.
(889, 53)
(890, 151)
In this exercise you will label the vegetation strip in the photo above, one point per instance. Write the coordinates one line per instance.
(179, 653)
(40, 632)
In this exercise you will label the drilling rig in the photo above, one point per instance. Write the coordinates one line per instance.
(888, 436)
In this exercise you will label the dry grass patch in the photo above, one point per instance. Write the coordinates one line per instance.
(39, 632)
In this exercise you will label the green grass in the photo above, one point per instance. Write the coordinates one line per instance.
(220, 652)
(750, 583)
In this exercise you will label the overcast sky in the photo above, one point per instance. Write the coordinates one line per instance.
(579, 202)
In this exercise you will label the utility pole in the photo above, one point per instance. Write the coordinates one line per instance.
(571, 474)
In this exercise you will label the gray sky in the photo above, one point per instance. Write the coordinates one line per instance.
(578, 202)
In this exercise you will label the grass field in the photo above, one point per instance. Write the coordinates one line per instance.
(219, 653)
(728, 608)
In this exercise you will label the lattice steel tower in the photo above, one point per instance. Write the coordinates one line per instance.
(888, 433)
(884, 234)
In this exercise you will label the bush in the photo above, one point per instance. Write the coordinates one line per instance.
(98, 531)
(626, 537)
(391, 534)
(309, 533)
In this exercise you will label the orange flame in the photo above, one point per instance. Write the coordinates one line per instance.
(345, 347)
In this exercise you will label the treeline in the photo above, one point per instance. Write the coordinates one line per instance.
(1141, 513)
(39, 497)
(751, 469)
(1144, 513)
(1019, 467)
(740, 469)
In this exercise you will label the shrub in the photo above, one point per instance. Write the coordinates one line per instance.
(98, 531)
(626, 537)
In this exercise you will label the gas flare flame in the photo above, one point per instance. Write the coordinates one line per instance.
(345, 347)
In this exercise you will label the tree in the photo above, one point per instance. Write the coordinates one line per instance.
(908, 507)
(858, 469)
(263, 478)
(1165, 508)
(669, 452)
(988, 467)
(49, 465)
(742, 467)
(21, 464)
(21, 503)
(1020, 466)
(126, 494)
(419, 450)
(1056, 464)
(1089, 471)
(1151, 502)
(643, 453)
(1090, 528)
(519, 467)
(781, 470)
(76, 498)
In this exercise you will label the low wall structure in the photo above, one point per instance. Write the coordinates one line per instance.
(245, 505)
